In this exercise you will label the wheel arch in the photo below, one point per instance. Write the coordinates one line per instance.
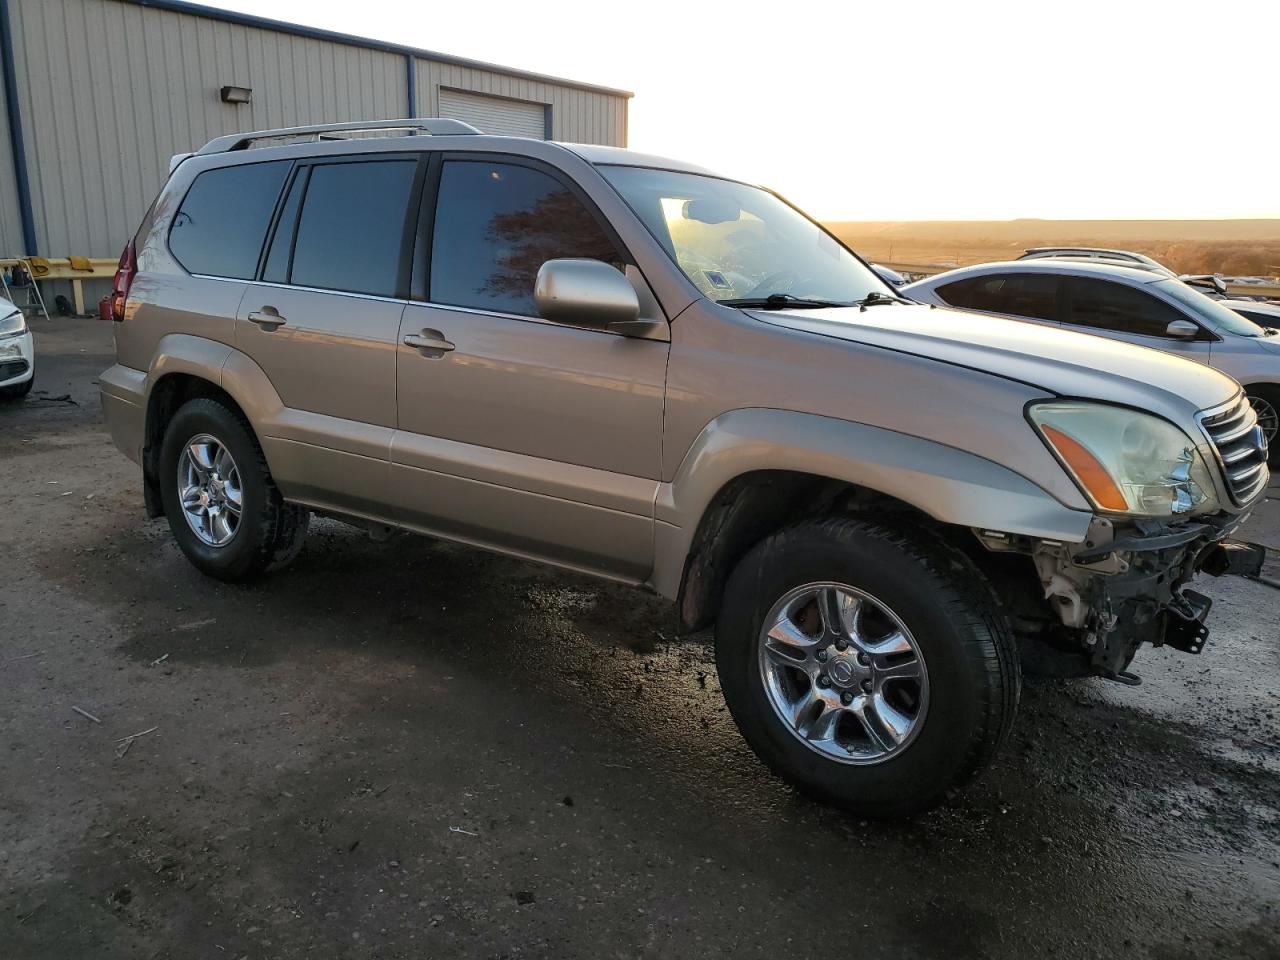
(752, 471)
(187, 368)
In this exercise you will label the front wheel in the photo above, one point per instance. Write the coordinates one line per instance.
(222, 505)
(17, 391)
(867, 665)
(1266, 404)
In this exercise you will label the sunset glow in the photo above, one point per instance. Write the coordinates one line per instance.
(861, 111)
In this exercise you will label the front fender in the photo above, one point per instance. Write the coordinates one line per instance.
(946, 483)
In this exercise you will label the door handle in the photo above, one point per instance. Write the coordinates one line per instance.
(268, 318)
(431, 341)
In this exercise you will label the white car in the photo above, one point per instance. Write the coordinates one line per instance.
(1123, 302)
(17, 353)
(1261, 313)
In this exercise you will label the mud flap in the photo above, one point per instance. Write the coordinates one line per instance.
(1184, 627)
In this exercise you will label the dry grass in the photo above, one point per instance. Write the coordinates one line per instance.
(1232, 247)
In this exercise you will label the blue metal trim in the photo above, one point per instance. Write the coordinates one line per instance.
(411, 83)
(15, 134)
(315, 33)
(546, 121)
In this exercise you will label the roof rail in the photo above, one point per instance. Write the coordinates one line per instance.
(435, 126)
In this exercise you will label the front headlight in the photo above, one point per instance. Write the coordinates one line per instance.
(1125, 461)
(13, 325)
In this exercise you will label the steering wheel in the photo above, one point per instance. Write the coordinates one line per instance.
(784, 279)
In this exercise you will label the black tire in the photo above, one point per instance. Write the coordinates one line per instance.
(965, 641)
(271, 531)
(1269, 395)
(18, 390)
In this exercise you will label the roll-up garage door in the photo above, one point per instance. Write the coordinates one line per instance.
(507, 118)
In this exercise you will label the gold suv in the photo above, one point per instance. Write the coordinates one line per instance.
(631, 367)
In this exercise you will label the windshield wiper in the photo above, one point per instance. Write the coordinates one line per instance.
(781, 301)
(875, 298)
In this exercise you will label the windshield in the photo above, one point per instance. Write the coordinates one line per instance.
(1223, 319)
(737, 242)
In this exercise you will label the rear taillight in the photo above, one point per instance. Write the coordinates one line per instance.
(112, 307)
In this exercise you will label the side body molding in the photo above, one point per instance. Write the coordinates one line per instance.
(949, 484)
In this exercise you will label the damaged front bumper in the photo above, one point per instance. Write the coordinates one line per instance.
(1126, 585)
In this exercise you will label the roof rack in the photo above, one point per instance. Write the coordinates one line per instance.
(1035, 253)
(434, 126)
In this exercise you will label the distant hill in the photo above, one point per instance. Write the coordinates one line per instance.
(1188, 246)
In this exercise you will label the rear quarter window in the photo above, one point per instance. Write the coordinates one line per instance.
(222, 221)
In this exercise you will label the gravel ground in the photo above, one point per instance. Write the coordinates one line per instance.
(409, 749)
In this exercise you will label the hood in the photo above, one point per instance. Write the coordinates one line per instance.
(1059, 361)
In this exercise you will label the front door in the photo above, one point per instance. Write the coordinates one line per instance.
(537, 438)
(323, 325)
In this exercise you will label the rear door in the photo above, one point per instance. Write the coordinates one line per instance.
(322, 323)
(1124, 312)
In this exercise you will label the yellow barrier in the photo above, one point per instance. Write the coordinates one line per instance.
(75, 269)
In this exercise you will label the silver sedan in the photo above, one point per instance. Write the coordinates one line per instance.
(1124, 303)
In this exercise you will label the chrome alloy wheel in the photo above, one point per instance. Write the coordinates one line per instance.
(843, 673)
(209, 490)
(1268, 418)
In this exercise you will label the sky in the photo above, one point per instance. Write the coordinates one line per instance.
(980, 110)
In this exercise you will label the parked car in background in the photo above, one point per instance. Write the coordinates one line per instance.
(1208, 283)
(1262, 313)
(1124, 302)
(632, 367)
(888, 276)
(1095, 253)
(17, 353)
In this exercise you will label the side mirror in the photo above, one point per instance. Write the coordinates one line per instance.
(585, 293)
(1182, 329)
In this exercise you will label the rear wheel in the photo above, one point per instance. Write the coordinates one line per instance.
(1266, 404)
(222, 505)
(867, 665)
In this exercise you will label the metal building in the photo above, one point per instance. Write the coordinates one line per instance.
(98, 94)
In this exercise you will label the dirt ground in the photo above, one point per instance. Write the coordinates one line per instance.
(409, 750)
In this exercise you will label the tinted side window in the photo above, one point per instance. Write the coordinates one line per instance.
(496, 225)
(351, 229)
(219, 228)
(1030, 295)
(958, 293)
(1017, 294)
(1114, 306)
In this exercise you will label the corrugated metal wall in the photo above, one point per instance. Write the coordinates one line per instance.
(108, 91)
(498, 115)
(10, 216)
(577, 116)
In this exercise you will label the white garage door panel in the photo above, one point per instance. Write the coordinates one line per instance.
(507, 118)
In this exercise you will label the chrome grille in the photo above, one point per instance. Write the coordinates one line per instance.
(1241, 447)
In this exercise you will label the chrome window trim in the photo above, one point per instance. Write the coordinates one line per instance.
(296, 286)
(515, 316)
(416, 303)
